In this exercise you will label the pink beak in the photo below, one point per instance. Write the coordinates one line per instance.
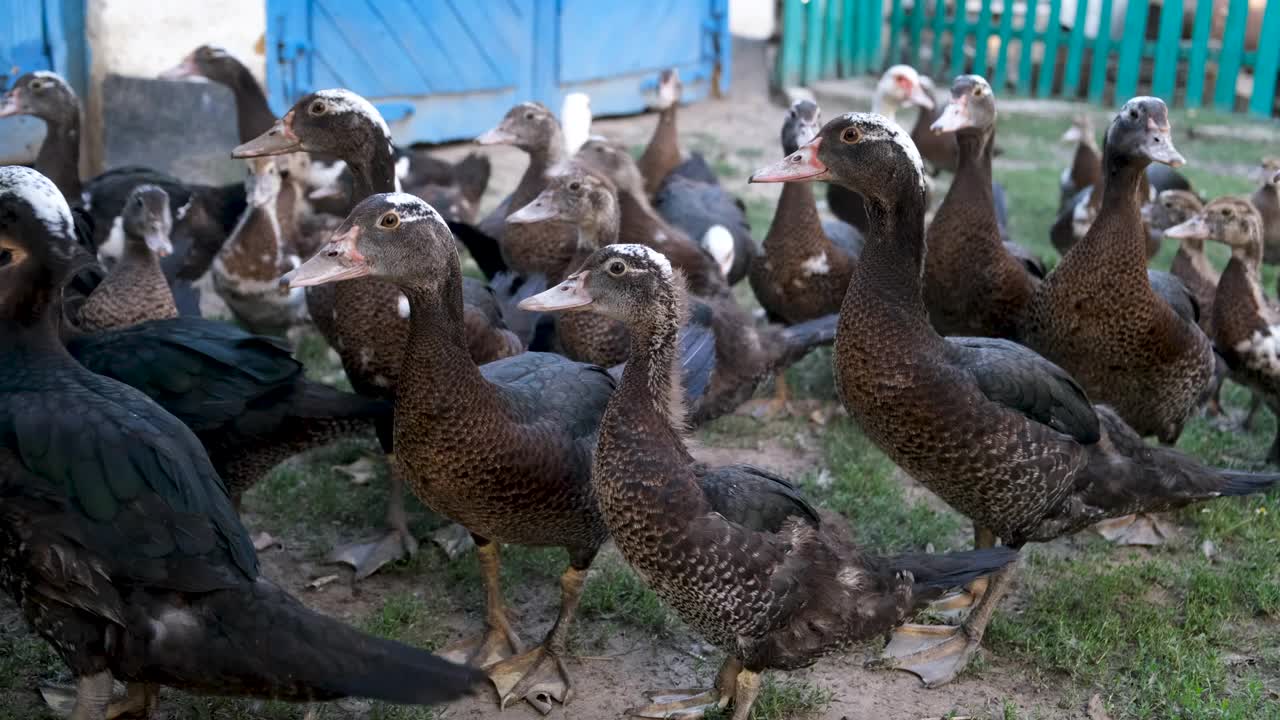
(803, 164)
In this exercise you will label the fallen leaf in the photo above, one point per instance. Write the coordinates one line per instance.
(1097, 709)
(321, 582)
(1209, 549)
(359, 472)
(263, 540)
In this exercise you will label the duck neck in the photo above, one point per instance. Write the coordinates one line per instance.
(796, 231)
(882, 105)
(541, 159)
(666, 136)
(372, 174)
(59, 156)
(438, 376)
(29, 328)
(1120, 214)
(973, 168)
(137, 255)
(253, 114)
(1085, 167)
(649, 401)
(1251, 257)
(893, 260)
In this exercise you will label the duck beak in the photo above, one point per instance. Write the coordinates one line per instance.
(12, 104)
(802, 164)
(158, 242)
(954, 117)
(276, 141)
(328, 192)
(497, 136)
(570, 294)
(187, 69)
(1194, 229)
(919, 97)
(540, 210)
(1158, 145)
(337, 260)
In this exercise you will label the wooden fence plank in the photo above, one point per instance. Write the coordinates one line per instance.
(1002, 60)
(1075, 53)
(1164, 79)
(873, 25)
(959, 31)
(1264, 73)
(815, 13)
(1224, 92)
(831, 28)
(919, 10)
(895, 31)
(1052, 37)
(981, 34)
(936, 64)
(1135, 33)
(1027, 45)
(791, 66)
(1198, 61)
(849, 39)
(1101, 55)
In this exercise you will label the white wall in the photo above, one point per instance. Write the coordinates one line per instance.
(146, 37)
(752, 18)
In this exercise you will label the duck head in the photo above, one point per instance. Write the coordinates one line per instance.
(337, 122)
(622, 282)
(44, 95)
(1141, 129)
(207, 62)
(864, 152)
(37, 244)
(574, 195)
(1081, 131)
(972, 106)
(1271, 171)
(669, 89)
(1234, 222)
(803, 121)
(147, 222)
(394, 236)
(898, 87)
(613, 162)
(264, 182)
(1172, 207)
(529, 126)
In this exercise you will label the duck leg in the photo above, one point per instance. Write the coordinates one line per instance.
(937, 654)
(689, 704)
(498, 641)
(369, 557)
(1255, 404)
(539, 675)
(955, 605)
(773, 407)
(140, 701)
(93, 695)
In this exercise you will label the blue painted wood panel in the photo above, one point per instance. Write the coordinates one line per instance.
(448, 69)
(38, 35)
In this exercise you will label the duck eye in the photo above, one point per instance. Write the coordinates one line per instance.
(575, 186)
(389, 221)
(528, 116)
(617, 268)
(6, 257)
(37, 85)
(1133, 114)
(851, 135)
(318, 108)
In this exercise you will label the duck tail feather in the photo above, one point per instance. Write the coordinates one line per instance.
(799, 339)
(1235, 483)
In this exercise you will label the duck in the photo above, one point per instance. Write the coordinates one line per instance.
(1000, 433)
(735, 550)
(939, 150)
(1245, 322)
(135, 290)
(973, 285)
(1267, 200)
(643, 225)
(1086, 162)
(1190, 264)
(366, 320)
(587, 202)
(247, 269)
(662, 155)
(131, 562)
(1097, 314)
(503, 449)
(216, 64)
(545, 248)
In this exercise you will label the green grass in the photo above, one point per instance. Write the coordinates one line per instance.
(783, 699)
(616, 594)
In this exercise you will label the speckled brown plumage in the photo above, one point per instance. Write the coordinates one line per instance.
(546, 248)
(1096, 314)
(1086, 163)
(135, 290)
(800, 273)
(1267, 200)
(972, 284)
(662, 154)
(735, 550)
(1190, 264)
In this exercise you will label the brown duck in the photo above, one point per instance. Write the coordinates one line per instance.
(972, 284)
(1190, 264)
(1086, 162)
(1097, 315)
(545, 248)
(1246, 325)
(998, 432)
(366, 319)
(135, 290)
(1267, 200)
(735, 550)
(662, 154)
(505, 450)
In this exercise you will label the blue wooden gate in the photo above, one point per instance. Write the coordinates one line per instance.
(448, 69)
(38, 35)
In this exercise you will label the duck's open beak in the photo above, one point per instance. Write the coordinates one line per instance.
(11, 104)
(276, 141)
(803, 164)
(337, 260)
(497, 136)
(570, 294)
(1194, 229)
(187, 69)
(1159, 145)
(540, 210)
(158, 242)
(954, 117)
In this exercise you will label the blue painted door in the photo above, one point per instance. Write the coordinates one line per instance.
(448, 69)
(37, 35)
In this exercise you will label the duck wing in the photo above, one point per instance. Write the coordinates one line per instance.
(1021, 380)
(753, 497)
(1175, 292)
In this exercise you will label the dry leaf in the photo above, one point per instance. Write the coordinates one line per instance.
(263, 540)
(359, 472)
(321, 582)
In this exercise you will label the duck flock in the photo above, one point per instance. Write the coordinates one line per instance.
(545, 399)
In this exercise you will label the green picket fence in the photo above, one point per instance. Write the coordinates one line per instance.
(1000, 40)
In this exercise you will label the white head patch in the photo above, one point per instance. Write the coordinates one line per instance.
(642, 252)
(412, 208)
(41, 195)
(340, 100)
(894, 132)
(56, 79)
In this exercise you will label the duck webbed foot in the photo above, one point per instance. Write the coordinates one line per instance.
(937, 654)
(499, 641)
(397, 544)
(686, 703)
(1140, 529)
(770, 408)
(140, 701)
(89, 701)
